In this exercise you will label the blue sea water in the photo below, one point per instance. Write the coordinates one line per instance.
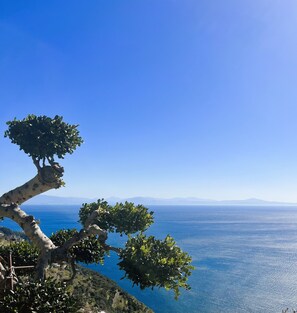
(245, 257)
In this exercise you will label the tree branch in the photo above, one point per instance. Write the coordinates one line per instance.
(111, 248)
(73, 274)
(48, 177)
(29, 225)
(61, 251)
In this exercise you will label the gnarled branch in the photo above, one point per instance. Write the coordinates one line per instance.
(48, 177)
(28, 224)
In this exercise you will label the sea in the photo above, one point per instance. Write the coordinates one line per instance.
(245, 257)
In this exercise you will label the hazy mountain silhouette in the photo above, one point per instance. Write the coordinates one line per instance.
(54, 200)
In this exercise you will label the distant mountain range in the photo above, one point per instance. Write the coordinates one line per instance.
(54, 200)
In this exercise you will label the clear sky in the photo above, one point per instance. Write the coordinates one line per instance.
(173, 97)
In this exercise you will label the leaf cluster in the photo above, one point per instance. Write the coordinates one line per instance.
(23, 254)
(149, 262)
(126, 218)
(87, 250)
(48, 296)
(42, 137)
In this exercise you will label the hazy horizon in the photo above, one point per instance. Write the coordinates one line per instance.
(57, 200)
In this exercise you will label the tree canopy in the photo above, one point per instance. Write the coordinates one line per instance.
(43, 138)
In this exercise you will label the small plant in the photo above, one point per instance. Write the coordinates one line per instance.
(47, 297)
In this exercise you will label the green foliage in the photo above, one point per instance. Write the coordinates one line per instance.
(149, 262)
(23, 254)
(126, 218)
(42, 137)
(87, 251)
(88, 208)
(40, 297)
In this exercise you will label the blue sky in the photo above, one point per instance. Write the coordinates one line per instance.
(173, 97)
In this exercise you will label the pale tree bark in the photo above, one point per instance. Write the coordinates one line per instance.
(28, 224)
(33, 232)
(48, 177)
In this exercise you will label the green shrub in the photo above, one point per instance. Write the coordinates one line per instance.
(23, 254)
(39, 297)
